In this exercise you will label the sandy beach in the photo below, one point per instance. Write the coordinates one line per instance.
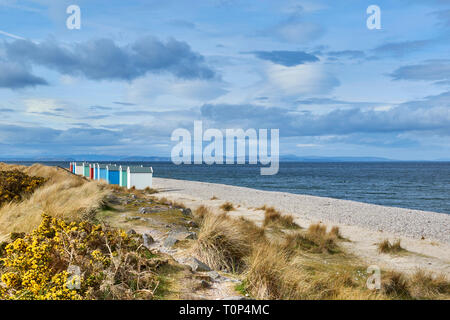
(426, 235)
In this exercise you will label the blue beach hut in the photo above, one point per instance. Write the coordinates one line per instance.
(102, 172)
(112, 173)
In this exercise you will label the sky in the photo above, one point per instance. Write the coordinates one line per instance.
(137, 70)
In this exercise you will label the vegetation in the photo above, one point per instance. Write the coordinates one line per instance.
(112, 265)
(14, 185)
(221, 243)
(227, 206)
(277, 260)
(305, 264)
(386, 247)
(65, 196)
(273, 217)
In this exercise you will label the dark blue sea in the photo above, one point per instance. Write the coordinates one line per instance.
(414, 185)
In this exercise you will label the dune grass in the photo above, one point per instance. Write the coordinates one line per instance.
(272, 218)
(299, 264)
(63, 195)
(223, 242)
(227, 206)
(387, 247)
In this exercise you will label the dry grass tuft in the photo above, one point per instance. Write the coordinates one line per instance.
(227, 206)
(277, 272)
(335, 232)
(201, 212)
(222, 244)
(150, 190)
(273, 217)
(395, 284)
(426, 285)
(386, 247)
(214, 198)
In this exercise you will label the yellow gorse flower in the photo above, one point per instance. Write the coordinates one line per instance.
(35, 266)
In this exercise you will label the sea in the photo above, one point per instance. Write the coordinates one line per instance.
(413, 185)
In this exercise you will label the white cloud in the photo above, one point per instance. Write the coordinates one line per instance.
(174, 93)
(42, 105)
(302, 79)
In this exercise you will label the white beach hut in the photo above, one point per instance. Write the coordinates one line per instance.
(79, 168)
(139, 177)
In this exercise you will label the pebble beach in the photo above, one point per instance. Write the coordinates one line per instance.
(405, 222)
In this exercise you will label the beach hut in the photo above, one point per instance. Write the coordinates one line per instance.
(71, 167)
(91, 171)
(102, 172)
(139, 177)
(95, 171)
(79, 170)
(112, 174)
(123, 176)
(86, 170)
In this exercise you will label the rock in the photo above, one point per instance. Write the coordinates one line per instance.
(204, 284)
(132, 218)
(148, 239)
(183, 235)
(113, 199)
(197, 265)
(131, 232)
(192, 224)
(187, 212)
(170, 241)
(133, 196)
(214, 275)
(154, 209)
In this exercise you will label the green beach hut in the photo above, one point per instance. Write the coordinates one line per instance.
(123, 176)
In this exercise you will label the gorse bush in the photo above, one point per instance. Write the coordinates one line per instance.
(112, 265)
(15, 184)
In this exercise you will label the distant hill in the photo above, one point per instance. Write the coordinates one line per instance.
(333, 159)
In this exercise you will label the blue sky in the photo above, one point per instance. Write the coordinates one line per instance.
(137, 70)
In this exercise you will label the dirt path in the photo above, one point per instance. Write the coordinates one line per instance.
(161, 222)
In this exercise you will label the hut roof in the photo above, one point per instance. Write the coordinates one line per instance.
(140, 169)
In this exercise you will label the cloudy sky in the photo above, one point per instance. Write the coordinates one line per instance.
(138, 69)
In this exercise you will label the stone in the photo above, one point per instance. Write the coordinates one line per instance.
(155, 209)
(197, 265)
(204, 284)
(132, 218)
(148, 239)
(183, 235)
(214, 275)
(170, 241)
(112, 199)
(131, 232)
(192, 224)
(187, 212)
